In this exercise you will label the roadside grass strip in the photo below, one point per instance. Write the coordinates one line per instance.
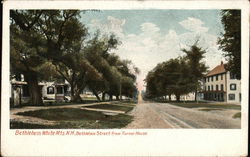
(210, 109)
(207, 105)
(237, 115)
(73, 118)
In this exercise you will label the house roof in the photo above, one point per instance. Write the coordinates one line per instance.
(217, 70)
(18, 82)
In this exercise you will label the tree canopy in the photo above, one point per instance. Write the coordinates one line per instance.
(196, 67)
(230, 40)
(177, 76)
(55, 45)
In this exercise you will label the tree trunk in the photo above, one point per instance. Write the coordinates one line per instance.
(195, 95)
(110, 97)
(169, 97)
(75, 95)
(72, 92)
(103, 96)
(177, 97)
(96, 95)
(117, 97)
(34, 89)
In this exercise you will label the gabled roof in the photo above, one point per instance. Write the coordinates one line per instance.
(217, 70)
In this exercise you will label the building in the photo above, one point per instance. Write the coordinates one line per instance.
(51, 91)
(221, 85)
(55, 91)
(59, 91)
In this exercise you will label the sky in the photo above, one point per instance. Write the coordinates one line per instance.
(149, 37)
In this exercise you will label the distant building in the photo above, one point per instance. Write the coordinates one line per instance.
(221, 85)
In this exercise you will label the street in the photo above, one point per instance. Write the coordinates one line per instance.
(164, 115)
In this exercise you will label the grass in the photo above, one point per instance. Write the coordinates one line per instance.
(237, 115)
(207, 105)
(21, 125)
(209, 109)
(89, 98)
(69, 118)
(111, 107)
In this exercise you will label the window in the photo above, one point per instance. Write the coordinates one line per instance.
(205, 88)
(212, 78)
(217, 87)
(233, 86)
(50, 90)
(208, 87)
(212, 87)
(208, 79)
(205, 79)
(216, 77)
(221, 87)
(59, 90)
(221, 76)
(231, 96)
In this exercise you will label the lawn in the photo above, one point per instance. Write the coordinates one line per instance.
(21, 125)
(111, 107)
(89, 98)
(210, 109)
(72, 118)
(237, 115)
(207, 105)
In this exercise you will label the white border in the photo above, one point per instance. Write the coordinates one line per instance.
(125, 4)
(159, 142)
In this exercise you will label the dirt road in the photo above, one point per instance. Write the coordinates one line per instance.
(164, 115)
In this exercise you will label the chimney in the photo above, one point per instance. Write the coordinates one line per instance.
(221, 63)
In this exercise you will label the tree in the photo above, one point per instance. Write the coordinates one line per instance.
(230, 41)
(97, 52)
(129, 72)
(65, 36)
(55, 45)
(151, 90)
(174, 76)
(115, 72)
(25, 58)
(177, 79)
(197, 68)
(51, 36)
(77, 71)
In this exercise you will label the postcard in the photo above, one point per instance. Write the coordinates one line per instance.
(125, 78)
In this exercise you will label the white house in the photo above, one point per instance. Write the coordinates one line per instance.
(221, 85)
(50, 91)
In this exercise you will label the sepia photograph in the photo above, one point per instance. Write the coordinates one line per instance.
(107, 76)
